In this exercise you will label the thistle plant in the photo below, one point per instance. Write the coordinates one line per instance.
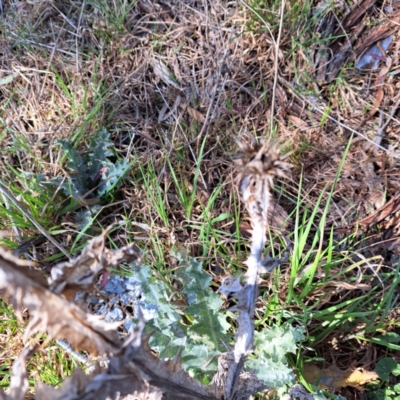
(133, 368)
(258, 166)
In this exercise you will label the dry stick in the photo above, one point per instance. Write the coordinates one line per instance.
(53, 51)
(254, 185)
(214, 93)
(303, 98)
(276, 44)
(379, 135)
(15, 228)
(28, 215)
(276, 65)
(78, 36)
(46, 46)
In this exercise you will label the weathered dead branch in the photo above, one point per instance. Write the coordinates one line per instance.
(132, 366)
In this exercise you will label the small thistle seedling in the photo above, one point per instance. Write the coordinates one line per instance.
(91, 176)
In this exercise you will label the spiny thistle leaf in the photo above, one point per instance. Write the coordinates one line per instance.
(199, 342)
(100, 145)
(271, 347)
(85, 217)
(113, 176)
(169, 335)
(74, 161)
(93, 169)
(100, 168)
(209, 326)
(154, 301)
(274, 343)
(272, 374)
(75, 185)
(199, 357)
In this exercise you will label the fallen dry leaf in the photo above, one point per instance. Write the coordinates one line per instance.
(298, 122)
(162, 71)
(377, 101)
(198, 116)
(82, 273)
(52, 313)
(353, 17)
(333, 378)
(132, 367)
(19, 381)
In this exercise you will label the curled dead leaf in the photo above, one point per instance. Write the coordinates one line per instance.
(198, 116)
(132, 367)
(333, 378)
(82, 272)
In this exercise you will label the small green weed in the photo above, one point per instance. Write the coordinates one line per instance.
(200, 335)
(91, 177)
(386, 368)
(112, 15)
(51, 366)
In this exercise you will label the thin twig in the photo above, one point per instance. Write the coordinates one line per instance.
(51, 47)
(276, 66)
(276, 44)
(28, 215)
(379, 135)
(303, 98)
(15, 228)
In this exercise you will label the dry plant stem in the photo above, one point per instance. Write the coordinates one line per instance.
(278, 40)
(19, 380)
(276, 64)
(15, 228)
(314, 107)
(245, 336)
(259, 166)
(379, 136)
(28, 215)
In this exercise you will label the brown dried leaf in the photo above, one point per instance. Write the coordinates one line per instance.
(298, 122)
(389, 208)
(19, 380)
(132, 367)
(162, 71)
(333, 378)
(198, 116)
(95, 258)
(353, 17)
(100, 385)
(53, 314)
(329, 60)
(379, 33)
(377, 101)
